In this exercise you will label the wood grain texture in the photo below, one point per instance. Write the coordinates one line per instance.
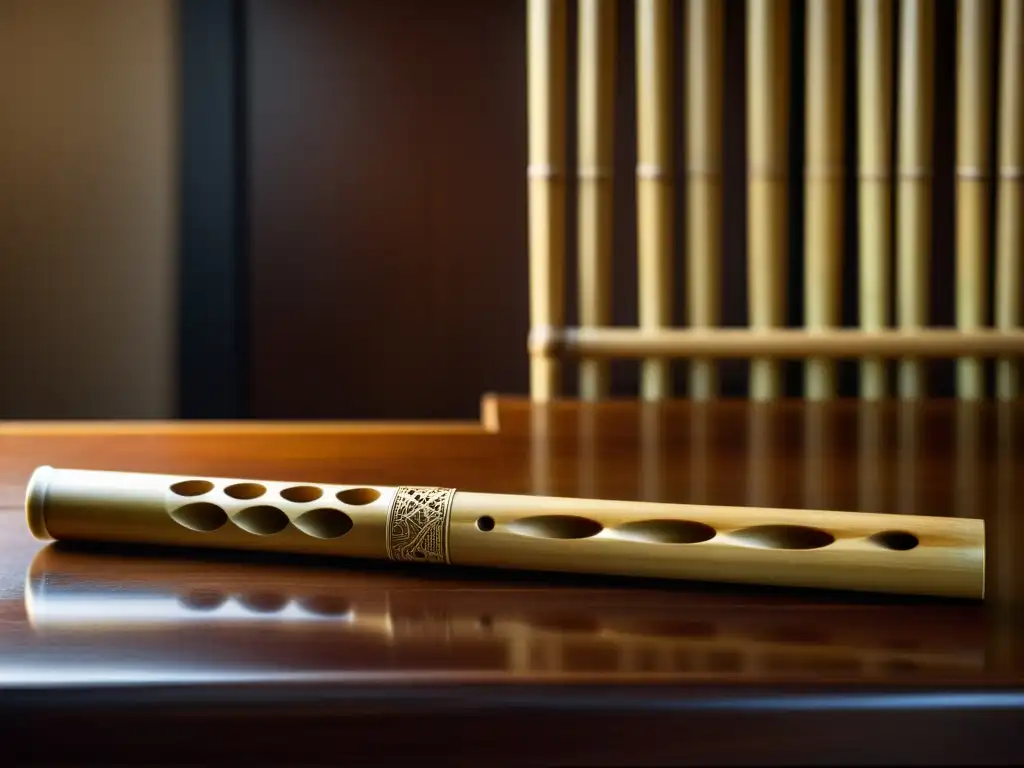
(391, 658)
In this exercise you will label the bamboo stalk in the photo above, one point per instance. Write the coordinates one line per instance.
(597, 53)
(823, 171)
(768, 150)
(704, 46)
(914, 187)
(654, 181)
(1010, 199)
(874, 94)
(777, 343)
(974, 34)
(546, 30)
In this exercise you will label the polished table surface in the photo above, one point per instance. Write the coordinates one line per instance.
(186, 656)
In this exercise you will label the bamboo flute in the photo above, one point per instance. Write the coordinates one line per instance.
(445, 526)
(597, 56)
(704, 45)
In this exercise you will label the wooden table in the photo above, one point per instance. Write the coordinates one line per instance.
(112, 655)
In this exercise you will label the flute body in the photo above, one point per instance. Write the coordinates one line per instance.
(861, 551)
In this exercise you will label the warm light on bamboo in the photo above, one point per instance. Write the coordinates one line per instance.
(974, 34)
(436, 527)
(914, 188)
(703, 28)
(1010, 199)
(823, 219)
(874, 129)
(546, 30)
(768, 156)
(654, 181)
(596, 121)
(789, 343)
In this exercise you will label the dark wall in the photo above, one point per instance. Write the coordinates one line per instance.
(388, 216)
(387, 203)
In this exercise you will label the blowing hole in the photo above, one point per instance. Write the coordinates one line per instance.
(245, 491)
(897, 540)
(262, 521)
(200, 516)
(192, 487)
(784, 537)
(324, 523)
(358, 496)
(485, 523)
(557, 527)
(667, 531)
(302, 494)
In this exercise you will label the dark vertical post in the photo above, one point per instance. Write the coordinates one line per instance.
(213, 322)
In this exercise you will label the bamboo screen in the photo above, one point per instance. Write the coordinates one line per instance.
(894, 171)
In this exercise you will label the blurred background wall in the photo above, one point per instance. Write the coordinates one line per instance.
(88, 197)
(275, 209)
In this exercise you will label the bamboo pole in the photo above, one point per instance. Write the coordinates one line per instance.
(654, 181)
(1010, 199)
(704, 45)
(823, 176)
(596, 118)
(777, 343)
(874, 94)
(974, 34)
(546, 30)
(768, 150)
(914, 186)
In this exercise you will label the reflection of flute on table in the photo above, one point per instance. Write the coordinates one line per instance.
(776, 547)
(521, 630)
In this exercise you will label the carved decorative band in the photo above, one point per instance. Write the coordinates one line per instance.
(418, 521)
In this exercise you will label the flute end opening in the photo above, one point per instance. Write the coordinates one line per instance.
(35, 502)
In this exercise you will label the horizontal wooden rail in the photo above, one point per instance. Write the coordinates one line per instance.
(794, 343)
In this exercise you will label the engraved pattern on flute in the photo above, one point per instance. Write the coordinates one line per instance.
(418, 523)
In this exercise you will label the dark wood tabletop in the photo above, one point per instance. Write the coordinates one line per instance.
(115, 655)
